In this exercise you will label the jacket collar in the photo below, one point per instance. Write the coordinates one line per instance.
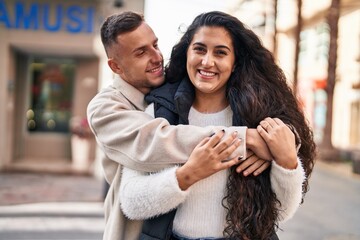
(132, 94)
(184, 98)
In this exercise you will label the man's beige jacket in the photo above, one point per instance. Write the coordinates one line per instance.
(132, 138)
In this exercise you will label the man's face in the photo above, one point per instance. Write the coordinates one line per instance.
(137, 58)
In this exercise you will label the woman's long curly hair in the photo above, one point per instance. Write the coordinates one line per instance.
(256, 89)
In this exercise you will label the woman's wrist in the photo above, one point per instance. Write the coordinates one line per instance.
(287, 162)
(185, 177)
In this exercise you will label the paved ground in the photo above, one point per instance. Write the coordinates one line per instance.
(50, 207)
(19, 188)
(331, 210)
(66, 207)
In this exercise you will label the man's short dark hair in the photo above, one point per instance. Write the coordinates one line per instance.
(117, 24)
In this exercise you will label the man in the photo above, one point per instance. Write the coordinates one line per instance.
(128, 136)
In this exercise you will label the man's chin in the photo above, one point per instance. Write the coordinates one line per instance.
(157, 83)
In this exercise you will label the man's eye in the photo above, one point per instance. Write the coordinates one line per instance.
(139, 53)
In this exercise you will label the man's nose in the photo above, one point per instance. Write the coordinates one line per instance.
(156, 56)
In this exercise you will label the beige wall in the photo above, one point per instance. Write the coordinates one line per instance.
(84, 48)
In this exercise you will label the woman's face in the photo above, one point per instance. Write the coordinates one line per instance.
(210, 60)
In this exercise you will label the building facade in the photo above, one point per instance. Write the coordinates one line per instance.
(313, 59)
(53, 63)
(313, 67)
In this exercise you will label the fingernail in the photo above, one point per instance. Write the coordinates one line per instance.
(235, 133)
(246, 173)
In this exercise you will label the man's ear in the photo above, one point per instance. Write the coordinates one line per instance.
(114, 66)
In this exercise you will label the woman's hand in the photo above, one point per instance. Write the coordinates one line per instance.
(280, 140)
(207, 158)
(253, 165)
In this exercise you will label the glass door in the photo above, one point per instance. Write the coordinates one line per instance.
(45, 98)
(51, 90)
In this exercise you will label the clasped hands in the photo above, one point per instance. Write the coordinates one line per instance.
(271, 140)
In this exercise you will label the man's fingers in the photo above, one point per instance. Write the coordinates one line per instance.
(246, 163)
(251, 169)
(262, 168)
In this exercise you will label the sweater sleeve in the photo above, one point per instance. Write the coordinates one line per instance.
(287, 184)
(144, 195)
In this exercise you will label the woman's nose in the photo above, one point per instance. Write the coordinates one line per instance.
(207, 60)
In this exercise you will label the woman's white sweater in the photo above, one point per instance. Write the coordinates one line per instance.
(199, 209)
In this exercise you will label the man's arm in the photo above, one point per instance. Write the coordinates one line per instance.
(136, 140)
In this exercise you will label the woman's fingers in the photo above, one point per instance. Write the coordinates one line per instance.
(225, 143)
(219, 144)
(216, 138)
(225, 154)
(230, 163)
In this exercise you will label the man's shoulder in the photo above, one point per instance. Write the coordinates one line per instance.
(109, 91)
(106, 97)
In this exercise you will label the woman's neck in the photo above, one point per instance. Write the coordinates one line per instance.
(210, 103)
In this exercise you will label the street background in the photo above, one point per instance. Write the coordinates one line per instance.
(68, 207)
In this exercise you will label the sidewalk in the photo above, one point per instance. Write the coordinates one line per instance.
(68, 207)
(50, 207)
(331, 207)
(20, 188)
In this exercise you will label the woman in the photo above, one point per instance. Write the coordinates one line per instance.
(219, 73)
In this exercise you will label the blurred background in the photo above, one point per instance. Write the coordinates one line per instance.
(52, 63)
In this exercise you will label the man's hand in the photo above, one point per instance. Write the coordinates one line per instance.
(253, 165)
(257, 144)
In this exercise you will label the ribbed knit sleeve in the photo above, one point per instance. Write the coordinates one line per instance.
(144, 195)
(287, 184)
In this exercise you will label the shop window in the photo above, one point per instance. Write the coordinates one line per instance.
(51, 95)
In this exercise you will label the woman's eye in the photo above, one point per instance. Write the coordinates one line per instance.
(221, 52)
(199, 49)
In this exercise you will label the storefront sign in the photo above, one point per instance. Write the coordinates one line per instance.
(48, 17)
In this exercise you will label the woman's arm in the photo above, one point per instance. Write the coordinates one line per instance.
(287, 185)
(144, 195)
(287, 174)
